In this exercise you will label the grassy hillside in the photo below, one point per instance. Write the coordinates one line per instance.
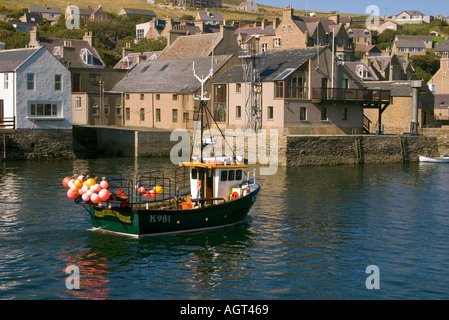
(114, 6)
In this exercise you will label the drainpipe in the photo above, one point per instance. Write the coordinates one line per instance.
(415, 94)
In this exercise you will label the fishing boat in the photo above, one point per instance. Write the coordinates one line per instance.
(441, 159)
(203, 193)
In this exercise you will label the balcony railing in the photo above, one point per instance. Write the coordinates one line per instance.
(7, 123)
(363, 96)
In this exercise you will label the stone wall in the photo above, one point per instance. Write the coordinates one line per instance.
(333, 150)
(26, 144)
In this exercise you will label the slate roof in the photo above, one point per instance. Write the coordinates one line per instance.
(410, 44)
(10, 60)
(169, 76)
(354, 67)
(274, 66)
(441, 101)
(44, 9)
(192, 46)
(52, 43)
(442, 47)
(140, 12)
(134, 57)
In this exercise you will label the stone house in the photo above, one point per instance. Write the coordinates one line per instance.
(360, 36)
(412, 17)
(439, 83)
(385, 25)
(299, 93)
(161, 93)
(295, 32)
(248, 6)
(48, 13)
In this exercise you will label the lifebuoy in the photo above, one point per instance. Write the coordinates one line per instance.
(198, 187)
(234, 195)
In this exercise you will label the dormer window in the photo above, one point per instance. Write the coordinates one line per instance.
(362, 72)
(87, 56)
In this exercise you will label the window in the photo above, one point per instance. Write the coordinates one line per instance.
(127, 96)
(302, 114)
(296, 85)
(174, 116)
(344, 115)
(78, 103)
(44, 109)
(94, 78)
(158, 96)
(263, 47)
(231, 175)
(238, 112)
(142, 114)
(277, 42)
(139, 34)
(324, 114)
(87, 56)
(220, 102)
(270, 113)
(142, 96)
(185, 117)
(30, 81)
(175, 97)
(58, 82)
(224, 175)
(158, 115)
(6, 81)
(107, 110)
(279, 89)
(238, 174)
(238, 87)
(95, 111)
(118, 111)
(128, 113)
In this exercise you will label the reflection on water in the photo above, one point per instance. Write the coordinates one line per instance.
(311, 235)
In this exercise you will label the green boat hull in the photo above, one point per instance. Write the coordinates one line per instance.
(140, 222)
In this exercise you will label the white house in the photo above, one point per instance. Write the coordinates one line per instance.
(35, 89)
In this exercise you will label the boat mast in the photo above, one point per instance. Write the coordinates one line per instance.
(203, 100)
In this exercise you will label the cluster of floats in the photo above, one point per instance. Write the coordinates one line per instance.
(197, 196)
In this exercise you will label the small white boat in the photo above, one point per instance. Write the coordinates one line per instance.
(440, 159)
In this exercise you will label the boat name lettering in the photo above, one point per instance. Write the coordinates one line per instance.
(159, 218)
(122, 218)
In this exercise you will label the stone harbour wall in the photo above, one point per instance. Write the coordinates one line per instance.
(360, 149)
(28, 144)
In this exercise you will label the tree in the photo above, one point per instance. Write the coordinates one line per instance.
(425, 66)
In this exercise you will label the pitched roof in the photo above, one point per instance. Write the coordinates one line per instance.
(132, 59)
(409, 44)
(192, 46)
(54, 45)
(210, 16)
(140, 12)
(442, 47)
(356, 67)
(276, 65)
(11, 59)
(44, 9)
(169, 76)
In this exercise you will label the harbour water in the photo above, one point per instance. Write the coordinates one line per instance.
(312, 234)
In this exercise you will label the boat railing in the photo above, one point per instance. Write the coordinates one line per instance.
(251, 177)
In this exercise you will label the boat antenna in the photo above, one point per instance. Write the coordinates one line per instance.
(203, 99)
